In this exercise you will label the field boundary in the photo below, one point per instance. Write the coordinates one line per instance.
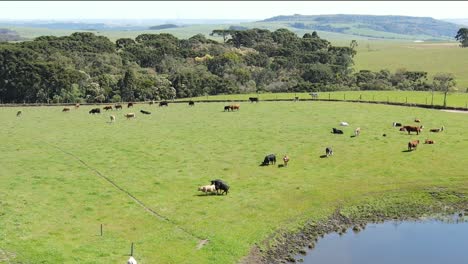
(437, 107)
(138, 201)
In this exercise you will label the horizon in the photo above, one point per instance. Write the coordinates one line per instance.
(219, 10)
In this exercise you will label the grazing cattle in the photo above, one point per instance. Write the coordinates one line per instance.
(129, 115)
(285, 160)
(95, 111)
(357, 131)
(269, 159)
(145, 112)
(191, 103)
(296, 99)
(107, 107)
(437, 129)
(344, 124)
(207, 188)
(112, 118)
(328, 151)
(129, 105)
(413, 145)
(118, 106)
(151, 102)
(412, 128)
(77, 106)
(395, 124)
(220, 185)
(163, 104)
(314, 95)
(337, 131)
(19, 113)
(234, 107)
(65, 109)
(253, 99)
(227, 107)
(429, 141)
(132, 260)
(417, 120)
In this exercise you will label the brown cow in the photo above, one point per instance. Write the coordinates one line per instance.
(77, 106)
(234, 107)
(118, 106)
(66, 109)
(413, 145)
(412, 128)
(129, 105)
(107, 107)
(429, 141)
(286, 160)
(417, 120)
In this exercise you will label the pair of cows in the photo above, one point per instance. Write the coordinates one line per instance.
(231, 107)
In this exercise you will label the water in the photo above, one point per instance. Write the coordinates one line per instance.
(409, 242)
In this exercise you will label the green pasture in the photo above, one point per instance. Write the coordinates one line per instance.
(410, 97)
(56, 170)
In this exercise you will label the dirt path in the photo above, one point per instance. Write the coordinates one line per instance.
(455, 111)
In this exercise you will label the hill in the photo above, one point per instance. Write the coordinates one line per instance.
(373, 26)
(163, 26)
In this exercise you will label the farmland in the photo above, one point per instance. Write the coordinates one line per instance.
(65, 174)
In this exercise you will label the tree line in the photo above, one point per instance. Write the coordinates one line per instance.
(84, 67)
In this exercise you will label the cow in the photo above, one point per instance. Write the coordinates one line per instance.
(436, 130)
(412, 128)
(395, 124)
(337, 131)
(269, 159)
(220, 185)
(129, 115)
(118, 106)
(65, 109)
(207, 188)
(314, 95)
(429, 141)
(417, 120)
(227, 107)
(19, 113)
(191, 103)
(163, 104)
(77, 106)
(328, 151)
(285, 160)
(112, 118)
(344, 124)
(413, 145)
(107, 107)
(234, 107)
(145, 112)
(253, 99)
(296, 99)
(132, 260)
(95, 111)
(129, 105)
(151, 102)
(357, 131)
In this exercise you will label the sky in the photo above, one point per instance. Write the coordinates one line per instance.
(255, 10)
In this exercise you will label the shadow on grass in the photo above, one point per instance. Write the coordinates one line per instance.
(207, 195)
(353, 136)
(281, 166)
(407, 150)
(323, 156)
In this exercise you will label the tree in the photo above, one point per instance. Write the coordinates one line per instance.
(462, 37)
(353, 46)
(444, 82)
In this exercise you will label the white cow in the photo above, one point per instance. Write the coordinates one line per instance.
(132, 260)
(344, 124)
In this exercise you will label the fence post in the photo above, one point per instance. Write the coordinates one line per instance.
(101, 229)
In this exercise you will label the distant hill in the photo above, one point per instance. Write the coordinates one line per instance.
(9, 35)
(163, 26)
(459, 21)
(372, 26)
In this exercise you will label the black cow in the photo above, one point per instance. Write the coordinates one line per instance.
(395, 124)
(269, 159)
(95, 111)
(227, 107)
(191, 103)
(145, 112)
(337, 131)
(253, 99)
(329, 151)
(220, 185)
(163, 104)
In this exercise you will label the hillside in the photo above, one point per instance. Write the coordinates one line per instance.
(373, 26)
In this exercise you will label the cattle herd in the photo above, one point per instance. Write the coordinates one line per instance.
(218, 185)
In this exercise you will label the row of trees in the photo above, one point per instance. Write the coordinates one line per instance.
(86, 67)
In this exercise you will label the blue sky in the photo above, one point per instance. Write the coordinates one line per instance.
(222, 9)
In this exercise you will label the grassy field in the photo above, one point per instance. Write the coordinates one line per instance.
(410, 97)
(58, 168)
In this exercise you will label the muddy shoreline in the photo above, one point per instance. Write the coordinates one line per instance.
(285, 246)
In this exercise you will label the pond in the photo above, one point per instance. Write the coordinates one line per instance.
(426, 241)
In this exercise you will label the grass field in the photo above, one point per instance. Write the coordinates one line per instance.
(57, 170)
(410, 97)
